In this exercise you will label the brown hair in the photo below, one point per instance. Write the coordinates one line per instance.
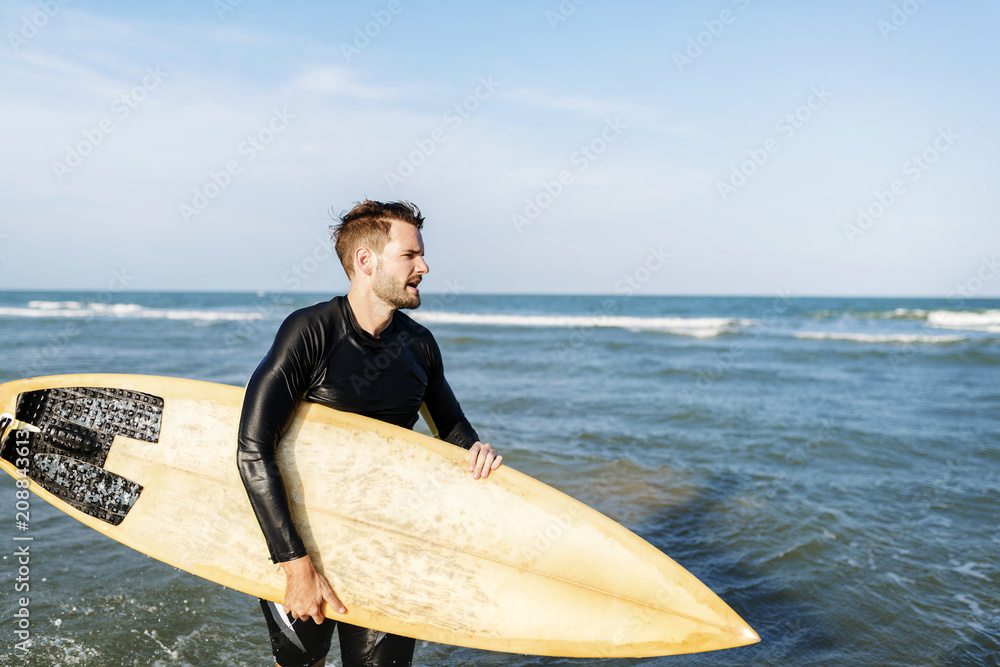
(368, 225)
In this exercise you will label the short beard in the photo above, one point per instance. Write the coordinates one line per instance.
(393, 294)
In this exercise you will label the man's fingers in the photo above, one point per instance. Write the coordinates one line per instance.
(335, 603)
(316, 613)
(306, 591)
(487, 464)
(482, 459)
(491, 463)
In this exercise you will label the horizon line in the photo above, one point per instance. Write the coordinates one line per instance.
(331, 294)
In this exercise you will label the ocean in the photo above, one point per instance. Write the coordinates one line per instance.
(829, 466)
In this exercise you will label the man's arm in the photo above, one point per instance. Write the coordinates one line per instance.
(269, 403)
(447, 421)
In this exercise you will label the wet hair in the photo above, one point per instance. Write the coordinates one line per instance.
(368, 225)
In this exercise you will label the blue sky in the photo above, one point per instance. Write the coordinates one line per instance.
(553, 147)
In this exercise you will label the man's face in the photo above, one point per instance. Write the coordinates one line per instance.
(400, 267)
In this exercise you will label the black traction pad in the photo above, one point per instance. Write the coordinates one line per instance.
(77, 427)
(132, 414)
(75, 441)
(89, 488)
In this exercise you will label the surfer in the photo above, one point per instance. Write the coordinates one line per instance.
(357, 354)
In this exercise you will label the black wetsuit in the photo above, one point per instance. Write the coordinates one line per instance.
(320, 354)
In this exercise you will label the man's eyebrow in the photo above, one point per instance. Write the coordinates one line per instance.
(415, 251)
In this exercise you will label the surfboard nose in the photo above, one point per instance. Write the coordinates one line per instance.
(737, 631)
(740, 629)
(745, 633)
(712, 627)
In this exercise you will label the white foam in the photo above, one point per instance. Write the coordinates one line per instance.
(54, 305)
(699, 327)
(77, 309)
(879, 338)
(988, 320)
(906, 314)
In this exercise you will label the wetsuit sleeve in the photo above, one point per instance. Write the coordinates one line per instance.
(450, 421)
(271, 397)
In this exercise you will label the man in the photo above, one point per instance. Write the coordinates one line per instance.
(325, 354)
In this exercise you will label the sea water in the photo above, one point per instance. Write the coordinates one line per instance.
(830, 467)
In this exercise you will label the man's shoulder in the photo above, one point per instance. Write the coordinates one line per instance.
(318, 318)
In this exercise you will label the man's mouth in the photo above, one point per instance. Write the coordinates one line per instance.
(413, 284)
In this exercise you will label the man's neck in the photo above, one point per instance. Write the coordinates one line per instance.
(371, 313)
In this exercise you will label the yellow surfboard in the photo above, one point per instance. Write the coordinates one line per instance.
(411, 543)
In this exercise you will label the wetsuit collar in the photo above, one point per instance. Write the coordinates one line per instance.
(387, 337)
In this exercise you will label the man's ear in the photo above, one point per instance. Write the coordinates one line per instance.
(364, 260)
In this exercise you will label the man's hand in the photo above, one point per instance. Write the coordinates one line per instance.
(482, 459)
(306, 590)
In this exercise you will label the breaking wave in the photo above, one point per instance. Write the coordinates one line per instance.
(80, 309)
(698, 327)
